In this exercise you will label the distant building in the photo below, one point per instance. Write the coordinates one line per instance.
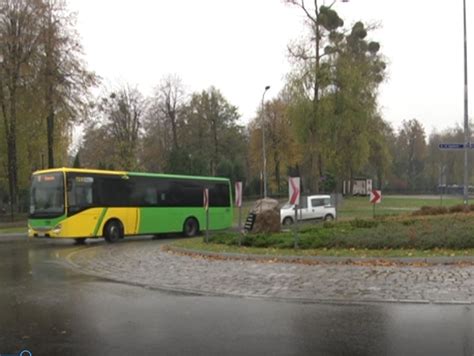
(358, 186)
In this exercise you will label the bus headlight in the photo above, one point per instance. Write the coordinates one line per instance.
(56, 229)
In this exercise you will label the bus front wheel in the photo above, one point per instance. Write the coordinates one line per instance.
(113, 231)
(191, 227)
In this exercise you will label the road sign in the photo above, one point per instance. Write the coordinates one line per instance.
(205, 199)
(453, 146)
(294, 185)
(375, 196)
(238, 194)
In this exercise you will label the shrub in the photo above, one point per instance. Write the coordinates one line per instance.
(408, 222)
(460, 208)
(310, 229)
(364, 224)
(449, 231)
(223, 238)
(280, 240)
(431, 210)
(329, 224)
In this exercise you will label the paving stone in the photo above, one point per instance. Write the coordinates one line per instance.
(146, 264)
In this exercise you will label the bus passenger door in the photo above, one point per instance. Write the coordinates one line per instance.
(219, 206)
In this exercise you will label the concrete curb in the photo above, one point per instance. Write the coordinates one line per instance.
(315, 260)
(10, 234)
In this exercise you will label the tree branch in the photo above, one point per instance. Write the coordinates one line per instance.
(303, 7)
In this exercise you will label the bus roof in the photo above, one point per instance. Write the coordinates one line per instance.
(143, 174)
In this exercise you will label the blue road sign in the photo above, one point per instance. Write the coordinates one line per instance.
(452, 146)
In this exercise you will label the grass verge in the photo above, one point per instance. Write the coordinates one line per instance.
(198, 244)
(359, 207)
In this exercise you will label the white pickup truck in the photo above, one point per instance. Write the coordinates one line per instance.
(311, 208)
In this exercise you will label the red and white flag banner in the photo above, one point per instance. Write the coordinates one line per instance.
(205, 199)
(238, 194)
(294, 189)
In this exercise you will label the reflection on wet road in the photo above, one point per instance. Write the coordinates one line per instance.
(50, 309)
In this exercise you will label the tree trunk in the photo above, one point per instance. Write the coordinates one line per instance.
(49, 93)
(316, 103)
(315, 171)
(379, 179)
(351, 180)
(12, 175)
(50, 128)
(172, 117)
(277, 173)
(216, 149)
(12, 160)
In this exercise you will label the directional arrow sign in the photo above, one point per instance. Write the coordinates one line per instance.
(451, 146)
(294, 185)
(375, 196)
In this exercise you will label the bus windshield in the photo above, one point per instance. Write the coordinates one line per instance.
(47, 195)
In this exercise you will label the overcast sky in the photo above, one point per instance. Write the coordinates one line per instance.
(241, 46)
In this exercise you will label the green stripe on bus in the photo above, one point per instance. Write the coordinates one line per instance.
(101, 218)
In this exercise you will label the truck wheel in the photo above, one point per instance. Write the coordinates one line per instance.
(328, 217)
(287, 221)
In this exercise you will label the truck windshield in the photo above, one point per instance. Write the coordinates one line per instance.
(47, 195)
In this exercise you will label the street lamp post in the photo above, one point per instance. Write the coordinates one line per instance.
(467, 136)
(264, 155)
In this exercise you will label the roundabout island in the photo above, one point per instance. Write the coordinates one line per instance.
(157, 264)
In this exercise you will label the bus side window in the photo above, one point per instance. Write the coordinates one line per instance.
(162, 187)
(219, 195)
(114, 191)
(71, 198)
(151, 196)
(192, 194)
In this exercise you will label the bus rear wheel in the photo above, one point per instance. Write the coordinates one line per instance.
(113, 231)
(190, 227)
(80, 241)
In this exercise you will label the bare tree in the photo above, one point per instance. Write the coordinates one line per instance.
(124, 112)
(156, 143)
(169, 98)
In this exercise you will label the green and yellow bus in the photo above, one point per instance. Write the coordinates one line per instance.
(83, 203)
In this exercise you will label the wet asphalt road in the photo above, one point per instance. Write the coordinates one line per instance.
(50, 309)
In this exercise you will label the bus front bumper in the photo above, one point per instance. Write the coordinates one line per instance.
(45, 232)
